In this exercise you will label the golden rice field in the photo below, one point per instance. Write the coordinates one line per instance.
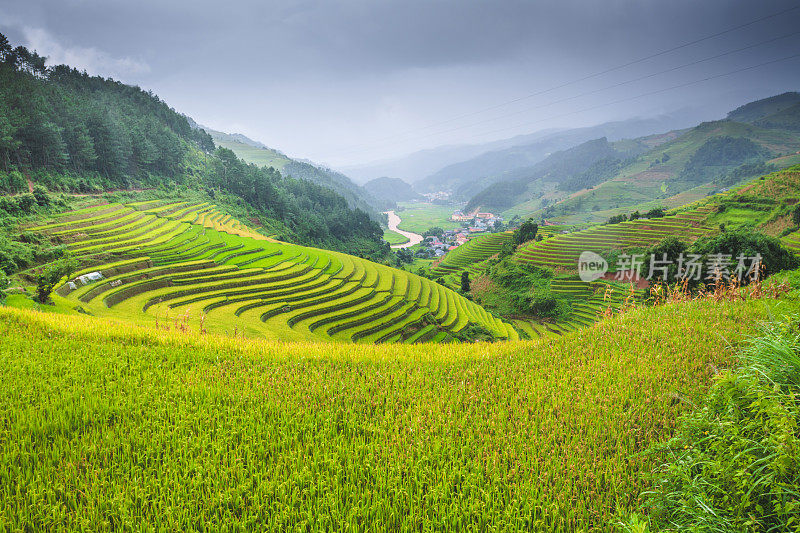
(155, 262)
(108, 425)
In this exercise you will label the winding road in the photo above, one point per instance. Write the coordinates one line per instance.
(413, 238)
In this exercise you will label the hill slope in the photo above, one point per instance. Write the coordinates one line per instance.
(760, 109)
(532, 182)
(165, 259)
(249, 150)
(713, 155)
(261, 155)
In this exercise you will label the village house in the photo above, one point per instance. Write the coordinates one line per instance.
(458, 216)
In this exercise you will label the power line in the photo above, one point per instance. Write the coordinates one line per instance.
(584, 78)
(623, 100)
(613, 86)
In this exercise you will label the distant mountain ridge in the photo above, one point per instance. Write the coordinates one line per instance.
(421, 165)
(416, 166)
(662, 171)
(468, 177)
(533, 181)
(390, 191)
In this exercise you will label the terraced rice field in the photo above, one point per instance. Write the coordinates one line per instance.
(589, 302)
(190, 265)
(792, 241)
(562, 251)
(473, 251)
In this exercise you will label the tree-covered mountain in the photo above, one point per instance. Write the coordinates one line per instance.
(261, 155)
(68, 131)
(389, 191)
(357, 197)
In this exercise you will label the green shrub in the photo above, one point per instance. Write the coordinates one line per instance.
(670, 248)
(523, 288)
(526, 232)
(746, 241)
(41, 196)
(12, 182)
(436, 230)
(14, 255)
(474, 333)
(51, 275)
(734, 463)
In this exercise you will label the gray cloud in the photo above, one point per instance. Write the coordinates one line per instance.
(89, 59)
(351, 80)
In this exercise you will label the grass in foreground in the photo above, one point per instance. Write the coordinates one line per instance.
(734, 463)
(110, 426)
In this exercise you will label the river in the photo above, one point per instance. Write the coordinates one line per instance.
(413, 238)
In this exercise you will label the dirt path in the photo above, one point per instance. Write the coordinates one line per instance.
(413, 238)
(28, 179)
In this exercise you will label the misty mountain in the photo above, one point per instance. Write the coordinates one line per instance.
(693, 163)
(561, 166)
(417, 165)
(778, 112)
(468, 177)
(389, 191)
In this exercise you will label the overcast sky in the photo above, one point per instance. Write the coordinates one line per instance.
(342, 82)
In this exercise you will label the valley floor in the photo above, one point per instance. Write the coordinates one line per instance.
(412, 238)
(108, 425)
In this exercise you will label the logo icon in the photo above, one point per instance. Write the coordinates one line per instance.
(591, 266)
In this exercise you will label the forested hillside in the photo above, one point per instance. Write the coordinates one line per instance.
(261, 155)
(67, 131)
(761, 109)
